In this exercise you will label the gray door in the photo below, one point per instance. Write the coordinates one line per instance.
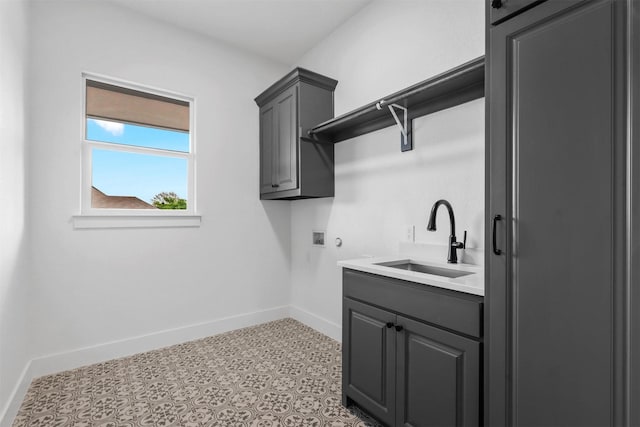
(286, 147)
(438, 377)
(555, 173)
(369, 358)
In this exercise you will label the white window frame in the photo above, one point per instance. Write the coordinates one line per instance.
(124, 218)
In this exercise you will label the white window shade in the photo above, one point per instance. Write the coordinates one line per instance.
(114, 103)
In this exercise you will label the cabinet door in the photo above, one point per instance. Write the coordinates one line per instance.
(286, 143)
(556, 176)
(369, 359)
(438, 377)
(267, 142)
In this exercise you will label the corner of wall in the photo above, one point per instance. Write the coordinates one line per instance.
(15, 282)
(16, 397)
(318, 323)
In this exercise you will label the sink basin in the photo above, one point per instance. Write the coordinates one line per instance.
(427, 269)
(461, 277)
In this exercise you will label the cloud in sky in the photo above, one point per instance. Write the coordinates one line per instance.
(113, 128)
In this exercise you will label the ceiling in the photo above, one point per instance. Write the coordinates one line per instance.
(282, 30)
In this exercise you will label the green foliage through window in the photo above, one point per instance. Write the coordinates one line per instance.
(168, 200)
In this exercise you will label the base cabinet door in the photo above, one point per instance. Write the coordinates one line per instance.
(368, 366)
(408, 373)
(437, 377)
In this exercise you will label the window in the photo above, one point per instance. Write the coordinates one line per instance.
(138, 151)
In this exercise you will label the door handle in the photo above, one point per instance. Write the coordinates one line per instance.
(495, 221)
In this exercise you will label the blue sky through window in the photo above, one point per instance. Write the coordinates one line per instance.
(141, 136)
(118, 173)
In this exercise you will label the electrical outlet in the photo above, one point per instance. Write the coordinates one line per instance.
(317, 238)
(409, 233)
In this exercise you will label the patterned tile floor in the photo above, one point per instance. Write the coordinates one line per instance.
(279, 374)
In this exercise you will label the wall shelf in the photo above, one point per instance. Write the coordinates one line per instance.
(453, 87)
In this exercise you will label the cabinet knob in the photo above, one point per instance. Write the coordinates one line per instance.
(275, 185)
(389, 325)
(496, 4)
(399, 328)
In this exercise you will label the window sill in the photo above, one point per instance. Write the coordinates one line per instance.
(135, 221)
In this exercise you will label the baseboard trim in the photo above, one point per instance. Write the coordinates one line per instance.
(11, 408)
(318, 323)
(53, 363)
(50, 364)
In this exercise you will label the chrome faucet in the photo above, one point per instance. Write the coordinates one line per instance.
(452, 256)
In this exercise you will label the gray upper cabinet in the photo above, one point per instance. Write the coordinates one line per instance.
(411, 353)
(556, 287)
(293, 166)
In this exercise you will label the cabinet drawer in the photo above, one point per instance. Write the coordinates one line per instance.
(448, 309)
(508, 8)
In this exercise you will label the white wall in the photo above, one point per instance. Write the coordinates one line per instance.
(63, 289)
(14, 283)
(388, 46)
(96, 286)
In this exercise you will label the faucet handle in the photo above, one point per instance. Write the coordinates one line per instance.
(460, 245)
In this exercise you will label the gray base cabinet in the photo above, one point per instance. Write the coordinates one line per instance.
(293, 166)
(400, 367)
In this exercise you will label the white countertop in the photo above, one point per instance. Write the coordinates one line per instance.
(471, 284)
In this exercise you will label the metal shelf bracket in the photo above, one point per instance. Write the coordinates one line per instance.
(406, 142)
